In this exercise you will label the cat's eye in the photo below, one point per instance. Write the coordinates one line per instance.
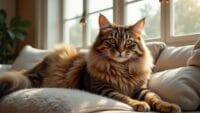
(111, 40)
(129, 42)
(110, 43)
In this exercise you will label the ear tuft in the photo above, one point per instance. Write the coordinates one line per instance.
(103, 22)
(139, 26)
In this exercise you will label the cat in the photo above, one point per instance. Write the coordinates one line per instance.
(117, 66)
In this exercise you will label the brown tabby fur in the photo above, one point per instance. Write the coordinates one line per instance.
(118, 66)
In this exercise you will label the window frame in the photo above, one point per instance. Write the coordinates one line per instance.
(85, 28)
(43, 34)
(169, 38)
(167, 27)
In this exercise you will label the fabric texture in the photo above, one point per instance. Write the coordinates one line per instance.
(4, 67)
(180, 85)
(55, 100)
(194, 59)
(156, 48)
(28, 58)
(173, 57)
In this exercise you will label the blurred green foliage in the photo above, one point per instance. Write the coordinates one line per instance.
(10, 33)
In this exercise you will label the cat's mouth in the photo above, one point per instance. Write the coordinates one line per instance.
(123, 59)
(120, 59)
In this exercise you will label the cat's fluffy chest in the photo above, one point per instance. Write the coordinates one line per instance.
(121, 77)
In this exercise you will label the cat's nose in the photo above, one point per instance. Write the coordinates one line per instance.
(120, 50)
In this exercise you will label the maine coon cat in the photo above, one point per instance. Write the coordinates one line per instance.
(118, 66)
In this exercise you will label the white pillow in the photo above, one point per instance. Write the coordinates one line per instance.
(173, 57)
(28, 58)
(55, 100)
(156, 48)
(180, 85)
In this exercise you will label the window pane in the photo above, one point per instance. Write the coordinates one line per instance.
(150, 9)
(73, 32)
(96, 5)
(186, 16)
(73, 8)
(93, 26)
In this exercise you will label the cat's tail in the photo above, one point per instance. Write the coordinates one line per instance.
(60, 67)
(12, 81)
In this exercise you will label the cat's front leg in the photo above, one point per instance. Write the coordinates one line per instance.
(137, 105)
(156, 103)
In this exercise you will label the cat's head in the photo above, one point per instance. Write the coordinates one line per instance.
(119, 43)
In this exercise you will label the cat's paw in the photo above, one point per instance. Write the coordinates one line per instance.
(141, 106)
(169, 108)
(176, 108)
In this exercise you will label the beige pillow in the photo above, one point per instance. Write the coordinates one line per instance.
(28, 58)
(55, 100)
(156, 48)
(194, 59)
(173, 57)
(180, 85)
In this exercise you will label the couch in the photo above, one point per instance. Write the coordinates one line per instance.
(176, 78)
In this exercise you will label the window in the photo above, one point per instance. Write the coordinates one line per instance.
(186, 17)
(180, 22)
(72, 28)
(106, 8)
(83, 34)
(169, 21)
(150, 9)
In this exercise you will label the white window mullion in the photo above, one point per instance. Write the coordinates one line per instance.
(119, 11)
(85, 25)
(164, 22)
(65, 28)
(169, 21)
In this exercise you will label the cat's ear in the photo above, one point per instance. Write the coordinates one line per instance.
(139, 26)
(103, 22)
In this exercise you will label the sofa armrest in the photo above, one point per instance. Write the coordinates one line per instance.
(4, 67)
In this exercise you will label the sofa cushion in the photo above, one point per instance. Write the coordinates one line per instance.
(179, 85)
(4, 67)
(156, 48)
(194, 59)
(28, 58)
(55, 100)
(173, 57)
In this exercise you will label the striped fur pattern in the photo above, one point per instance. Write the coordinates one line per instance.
(118, 66)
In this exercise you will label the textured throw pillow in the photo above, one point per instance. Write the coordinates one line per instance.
(156, 48)
(28, 58)
(180, 85)
(194, 59)
(173, 57)
(55, 100)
